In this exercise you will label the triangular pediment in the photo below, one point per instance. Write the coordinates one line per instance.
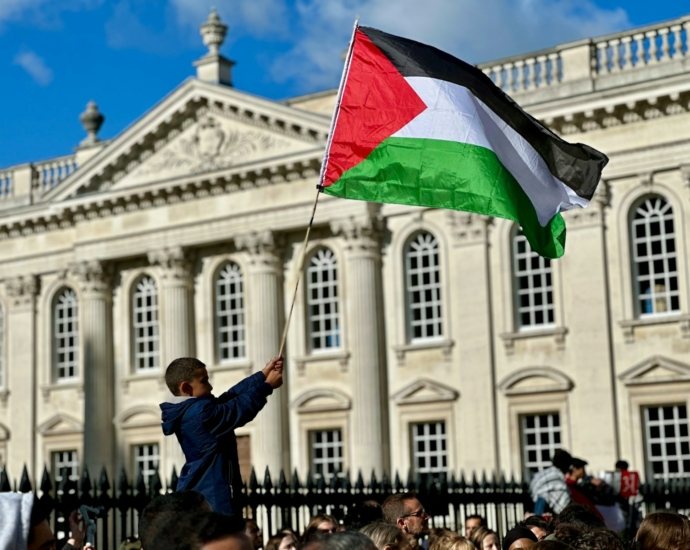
(200, 128)
(60, 424)
(424, 390)
(655, 370)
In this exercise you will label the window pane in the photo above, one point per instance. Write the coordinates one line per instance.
(423, 285)
(146, 459)
(532, 282)
(667, 443)
(541, 437)
(145, 324)
(654, 258)
(326, 452)
(429, 454)
(66, 335)
(322, 300)
(230, 330)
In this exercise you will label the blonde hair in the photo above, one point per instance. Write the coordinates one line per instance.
(445, 539)
(383, 534)
(478, 535)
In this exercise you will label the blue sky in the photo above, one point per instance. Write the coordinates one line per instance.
(56, 55)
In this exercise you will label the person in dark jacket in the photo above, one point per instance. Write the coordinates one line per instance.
(205, 425)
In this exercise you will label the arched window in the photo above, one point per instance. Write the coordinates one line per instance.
(533, 285)
(230, 313)
(322, 301)
(66, 335)
(423, 286)
(654, 257)
(145, 325)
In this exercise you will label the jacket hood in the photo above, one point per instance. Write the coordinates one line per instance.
(172, 412)
(15, 520)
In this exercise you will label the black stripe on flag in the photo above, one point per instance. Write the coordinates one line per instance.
(575, 164)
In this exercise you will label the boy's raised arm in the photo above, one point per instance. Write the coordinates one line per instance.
(254, 380)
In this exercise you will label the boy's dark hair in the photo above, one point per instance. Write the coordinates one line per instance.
(599, 539)
(562, 460)
(181, 370)
(579, 516)
(535, 521)
(394, 506)
(193, 531)
(164, 508)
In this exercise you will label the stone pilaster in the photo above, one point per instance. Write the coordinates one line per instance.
(176, 310)
(364, 305)
(21, 374)
(94, 279)
(270, 443)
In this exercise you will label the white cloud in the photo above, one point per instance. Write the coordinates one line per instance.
(41, 13)
(473, 30)
(35, 66)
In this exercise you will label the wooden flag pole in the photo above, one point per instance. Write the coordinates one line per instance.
(319, 187)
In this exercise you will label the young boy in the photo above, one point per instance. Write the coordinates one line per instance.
(205, 425)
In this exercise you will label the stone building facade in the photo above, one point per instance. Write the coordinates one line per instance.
(422, 339)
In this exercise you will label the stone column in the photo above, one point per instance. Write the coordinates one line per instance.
(176, 321)
(21, 374)
(99, 380)
(269, 444)
(364, 304)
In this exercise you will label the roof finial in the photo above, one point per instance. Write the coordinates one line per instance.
(91, 120)
(213, 32)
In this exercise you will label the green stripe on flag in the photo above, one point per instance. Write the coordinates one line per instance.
(448, 174)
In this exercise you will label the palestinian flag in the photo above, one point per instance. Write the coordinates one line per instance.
(417, 126)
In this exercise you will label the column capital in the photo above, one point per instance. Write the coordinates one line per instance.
(264, 247)
(93, 276)
(175, 264)
(361, 233)
(22, 290)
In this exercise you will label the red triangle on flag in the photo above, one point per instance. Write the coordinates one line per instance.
(376, 102)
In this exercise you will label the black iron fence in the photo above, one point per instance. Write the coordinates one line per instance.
(292, 501)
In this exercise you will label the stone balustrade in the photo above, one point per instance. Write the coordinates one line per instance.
(525, 73)
(49, 173)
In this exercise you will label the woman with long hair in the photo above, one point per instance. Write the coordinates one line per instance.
(485, 539)
(664, 531)
(320, 524)
(386, 536)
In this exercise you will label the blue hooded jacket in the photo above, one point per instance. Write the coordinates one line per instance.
(205, 428)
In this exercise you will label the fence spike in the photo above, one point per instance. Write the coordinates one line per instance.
(310, 480)
(174, 480)
(282, 482)
(462, 485)
(320, 484)
(155, 484)
(359, 484)
(123, 486)
(484, 483)
(502, 481)
(46, 484)
(85, 482)
(410, 480)
(140, 484)
(294, 481)
(25, 483)
(5, 486)
(253, 482)
(475, 483)
(268, 484)
(398, 486)
(443, 483)
(385, 483)
(373, 482)
(347, 482)
(103, 481)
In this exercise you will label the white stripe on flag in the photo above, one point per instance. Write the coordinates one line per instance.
(455, 114)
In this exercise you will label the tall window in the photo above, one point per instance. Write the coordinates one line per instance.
(230, 313)
(541, 437)
(667, 441)
(326, 449)
(65, 466)
(146, 459)
(654, 258)
(66, 335)
(145, 324)
(429, 454)
(423, 283)
(533, 285)
(322, 301)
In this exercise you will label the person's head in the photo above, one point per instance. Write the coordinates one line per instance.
(282, 541)
(485, 539)
(166, 507)
(348, 540)
(599, 539)
(622, 465)
(445, 539)
(40, 534)
(363, 514)
(519, 537)
(187, 376)
(579, 516)
(538, 525)
(562, 460)
(551, 545)
(202, 531)
(252, 530)
(577, 469)
(664, 531)
(386, 536)
(405, 511)
(320, 524)
(473, 522)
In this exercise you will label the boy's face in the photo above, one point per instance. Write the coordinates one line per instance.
(201, 387)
